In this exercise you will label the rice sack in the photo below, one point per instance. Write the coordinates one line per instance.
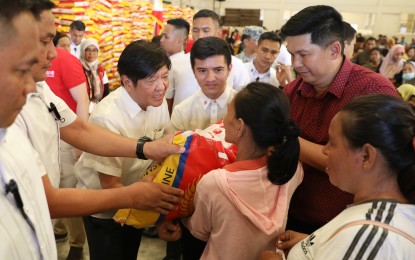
(206, 150)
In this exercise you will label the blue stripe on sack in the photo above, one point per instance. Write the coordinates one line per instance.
(182, 162)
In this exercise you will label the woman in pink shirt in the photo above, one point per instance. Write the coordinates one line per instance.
(239, 209)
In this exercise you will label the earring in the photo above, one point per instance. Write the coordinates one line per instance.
(364, 166)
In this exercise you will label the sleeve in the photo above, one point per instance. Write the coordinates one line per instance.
(61, 106)
(176, 122)
(107, 165)
(239, 73)
(200, 222)
(171, 89)
(74, 73)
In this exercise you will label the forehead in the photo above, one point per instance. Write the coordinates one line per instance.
(23, 47)
(270, 44)
(47, 24)
(300, 43)
(168, 28)
(76, 32)
(204, 22)
(211, 62)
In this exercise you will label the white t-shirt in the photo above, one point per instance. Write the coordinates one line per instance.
(119, 113)
(183, 83)
(361, 241)
(18, 241)
(198, 111)
(42, 128)
(269, 77)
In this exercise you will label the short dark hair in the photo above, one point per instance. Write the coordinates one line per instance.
(11, 9)
(376, 49)
(59, 36)
(180, 23)
(349, 32)
(387, 123)
(206, 13)
(371, 38)
(77, 25)
(142, 59)
(323, 22)
(265, 109)
(271, 36)
(210, 46)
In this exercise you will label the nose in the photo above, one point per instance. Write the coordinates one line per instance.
(295, 62)
(210, 75)
(52, 52)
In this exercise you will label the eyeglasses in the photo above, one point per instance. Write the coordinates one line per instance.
(91, 51)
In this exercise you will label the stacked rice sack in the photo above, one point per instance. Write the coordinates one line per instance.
(206, 150)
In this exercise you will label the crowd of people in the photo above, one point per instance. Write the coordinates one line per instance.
(323, 119)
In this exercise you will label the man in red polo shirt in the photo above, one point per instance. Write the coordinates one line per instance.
(326, 81)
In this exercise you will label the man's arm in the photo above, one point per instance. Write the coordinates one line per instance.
(140, 195)
(79, 93)
(311, 154)
(99, 141)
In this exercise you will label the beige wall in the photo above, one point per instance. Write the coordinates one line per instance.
(375, 16)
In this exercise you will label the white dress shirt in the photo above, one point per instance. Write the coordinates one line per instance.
(42, 128)
(76, 50)
(183, 83)
(119, 113)
(268, 77)
(18, 240)
(198, 111)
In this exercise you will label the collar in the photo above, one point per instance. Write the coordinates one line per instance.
(256, 74)
(336, 87)
(247, 164)
(177, 55)
(222, 100)
(132, 108)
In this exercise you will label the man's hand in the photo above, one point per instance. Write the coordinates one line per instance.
(286, 240)
(169, 231)
(158, 150)
(154, 196)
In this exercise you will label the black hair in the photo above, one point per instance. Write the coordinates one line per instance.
(349, 32)
(210, 46)
(156, 39)
(59, 36)
(205, 13)
(265, 109)
(244, 37)
(272, 36)
(9, 10)
(323, 22)
(142, 59)
(369, 39)
(387, 123)
(180, 23)
(376, 49)
(77, 25)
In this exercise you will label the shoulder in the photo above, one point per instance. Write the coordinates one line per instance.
(369, 81)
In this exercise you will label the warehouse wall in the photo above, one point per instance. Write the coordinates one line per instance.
(376, 16)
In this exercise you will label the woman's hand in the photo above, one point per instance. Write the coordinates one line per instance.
(169, 230)
(286, 240)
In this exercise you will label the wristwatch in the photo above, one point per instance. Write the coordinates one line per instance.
(140, 147)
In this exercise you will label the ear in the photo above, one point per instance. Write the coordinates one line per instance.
(241, 127)
(127, 83)
(335, 50)
(369, 155)
(230, 68)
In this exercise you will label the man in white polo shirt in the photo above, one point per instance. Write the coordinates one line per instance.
(267, 51)
(205, 23)
(211, 61)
